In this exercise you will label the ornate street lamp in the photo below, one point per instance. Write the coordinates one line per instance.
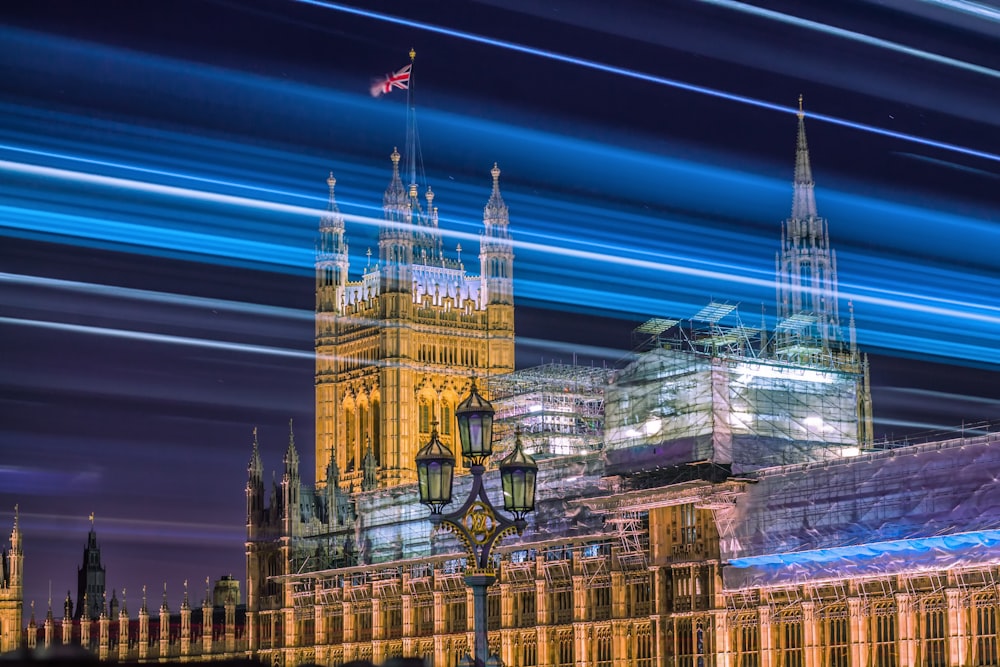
(477, 524)
(475, 426)
(435, 468)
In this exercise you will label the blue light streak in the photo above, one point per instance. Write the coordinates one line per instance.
(150, 337)
(650, 78)
(900, 550)
(853, 36)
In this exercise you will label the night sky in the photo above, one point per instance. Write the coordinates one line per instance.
(162, 165)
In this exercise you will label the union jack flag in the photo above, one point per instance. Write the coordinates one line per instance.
(400, 79)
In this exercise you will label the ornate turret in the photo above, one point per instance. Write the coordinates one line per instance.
(395, 239)
(332, 258)
(808, 320)
(90, 594)
(290, 488)
(496, 250)
(255, 490)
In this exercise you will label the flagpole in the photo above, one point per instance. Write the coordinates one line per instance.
(411, 125)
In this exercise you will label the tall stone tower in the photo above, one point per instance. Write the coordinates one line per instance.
(90, 588)
(808, 318)
(808, 328)
(396, 349)
(12, 590)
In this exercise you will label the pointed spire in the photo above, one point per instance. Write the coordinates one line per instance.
(804, 199)
(255, 468)
(394, 200)
(496, 212)
(291, 454)
(331, 182)
(163, 606)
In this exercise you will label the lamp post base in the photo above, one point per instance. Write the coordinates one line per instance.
(479, 582)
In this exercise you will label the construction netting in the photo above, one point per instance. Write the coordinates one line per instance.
(671, 407)
(923, 507)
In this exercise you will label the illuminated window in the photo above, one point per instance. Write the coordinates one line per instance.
(685, 639)
(425, 417)
(563, 607)
(524, 609)
(689, 526)
(529, 652)
(377, 431)
(834, 626)
(788, 633)
(984, 608)
(363, 624)
(603, 648)
(350, 438)
(640, 596)
(564, 649)
(745, 639)
(935, 649)
(446, 418)
(883, 634)
(493, 609)
(457, 616)
(600, 603)
(644, 647)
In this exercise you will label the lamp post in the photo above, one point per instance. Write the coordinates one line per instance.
(476, 523)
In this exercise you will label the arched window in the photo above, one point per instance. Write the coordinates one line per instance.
(426, 415)
(377, 431)
(447, 417)
(350, 440)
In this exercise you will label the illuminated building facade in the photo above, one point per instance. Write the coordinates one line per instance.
(716, 502)
(11, 590)
(396, 349)
(103, 627)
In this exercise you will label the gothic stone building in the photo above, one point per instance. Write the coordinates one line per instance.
(716, 502)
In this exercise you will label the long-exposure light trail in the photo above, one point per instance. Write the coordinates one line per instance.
(128, 293)
(588, 253)
(651, 78)
(158, 338)
(854, 36)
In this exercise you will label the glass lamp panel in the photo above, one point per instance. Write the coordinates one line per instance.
(529, 489)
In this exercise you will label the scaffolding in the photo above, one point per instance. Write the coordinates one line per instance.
(713, 389)
(632, 530)
(559, 407)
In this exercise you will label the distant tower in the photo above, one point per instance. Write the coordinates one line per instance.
(396, 349)
(12, 590)
(808, 320)
(90, 591)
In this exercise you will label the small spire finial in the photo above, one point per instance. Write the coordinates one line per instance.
(801, 112)
(91, 519)
(331, 181)
(495, 171)
(394, 157)
(413, 54)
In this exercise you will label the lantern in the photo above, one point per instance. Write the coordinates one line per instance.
(435, 466)
(475, 426)
(517, 477)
